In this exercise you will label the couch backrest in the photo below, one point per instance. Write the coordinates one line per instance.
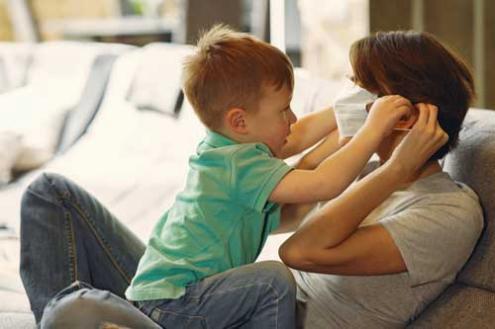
(79, 118)
(15, 58)
(473, 162)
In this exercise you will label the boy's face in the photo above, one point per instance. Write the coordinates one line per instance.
(270, 125)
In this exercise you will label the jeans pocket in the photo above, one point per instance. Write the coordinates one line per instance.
(173, 319)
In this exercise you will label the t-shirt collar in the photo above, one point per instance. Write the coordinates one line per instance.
(217, 140)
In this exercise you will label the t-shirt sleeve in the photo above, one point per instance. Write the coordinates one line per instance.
(255, 173)
(435, 239)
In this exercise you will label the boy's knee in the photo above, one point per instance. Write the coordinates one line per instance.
(46, 181)
(70, 310)
(83, 308)
(93, 308)
(278, 276)
(277, 270)
(45, 186)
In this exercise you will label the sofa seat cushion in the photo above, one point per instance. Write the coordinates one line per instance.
(9, 320)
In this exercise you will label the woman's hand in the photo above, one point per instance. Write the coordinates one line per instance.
(385, 113)
(424, 139)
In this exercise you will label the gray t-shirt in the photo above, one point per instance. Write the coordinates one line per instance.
(435, 223)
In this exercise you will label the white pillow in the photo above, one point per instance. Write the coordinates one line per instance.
(156, 84)
(312, 93)
(10, 145)
(36, 114)
(15, 57)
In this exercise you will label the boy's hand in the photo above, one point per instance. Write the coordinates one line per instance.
(385, 113)
(424, 139)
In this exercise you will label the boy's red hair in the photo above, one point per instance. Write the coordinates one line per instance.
(229, 70)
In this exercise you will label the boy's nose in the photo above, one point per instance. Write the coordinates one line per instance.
(292, 117)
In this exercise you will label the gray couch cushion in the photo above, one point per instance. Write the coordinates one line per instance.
(459, 307)
(473, 163)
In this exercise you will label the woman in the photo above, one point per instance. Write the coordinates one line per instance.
(379, 253)
(331, 240)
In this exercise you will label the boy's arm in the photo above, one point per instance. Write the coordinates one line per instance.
(293, 214)
(327, 147)
(309, 130)
(334, 174)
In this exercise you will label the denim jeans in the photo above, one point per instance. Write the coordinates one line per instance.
(81, 306)
(79, 259)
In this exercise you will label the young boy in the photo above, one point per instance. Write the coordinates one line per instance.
(197, 268)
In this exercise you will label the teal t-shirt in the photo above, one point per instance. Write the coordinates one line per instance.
(219, 221)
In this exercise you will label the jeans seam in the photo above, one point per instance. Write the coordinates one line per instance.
(100, 239)
(72, 247)
(240, 287)
(164, 311)
(274, 291)
(68, 229)
(66, 196)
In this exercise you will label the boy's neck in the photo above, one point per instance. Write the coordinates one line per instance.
(231, 135)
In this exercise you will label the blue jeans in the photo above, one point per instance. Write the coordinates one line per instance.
(79, 259)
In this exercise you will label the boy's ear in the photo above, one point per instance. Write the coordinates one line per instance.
(408, 122)
(235, 120)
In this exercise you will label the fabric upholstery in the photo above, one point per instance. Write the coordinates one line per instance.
(80, 118)
(473, 162)
(459, 307)
(9, 320)
(156, 85)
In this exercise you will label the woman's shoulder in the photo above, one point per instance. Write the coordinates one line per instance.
(452, 207)
(441, 190)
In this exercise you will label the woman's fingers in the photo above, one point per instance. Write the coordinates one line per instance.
(439, 136)
(424, 139)
(423, 115)
(443, 137)
(432, 117)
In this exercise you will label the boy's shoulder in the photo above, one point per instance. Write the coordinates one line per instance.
(238, 159)
(234, 152)
(217, 145)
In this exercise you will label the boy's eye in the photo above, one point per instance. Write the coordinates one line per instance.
(285, 113)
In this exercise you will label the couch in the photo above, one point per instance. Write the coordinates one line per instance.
(42, 88)
(129, 156)
(470, 301)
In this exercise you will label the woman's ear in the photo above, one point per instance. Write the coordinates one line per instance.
(235, 120)
(407, 122)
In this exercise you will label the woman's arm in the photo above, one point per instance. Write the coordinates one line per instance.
(332, 241)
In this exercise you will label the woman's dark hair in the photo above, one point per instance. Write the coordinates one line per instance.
(418, 67)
